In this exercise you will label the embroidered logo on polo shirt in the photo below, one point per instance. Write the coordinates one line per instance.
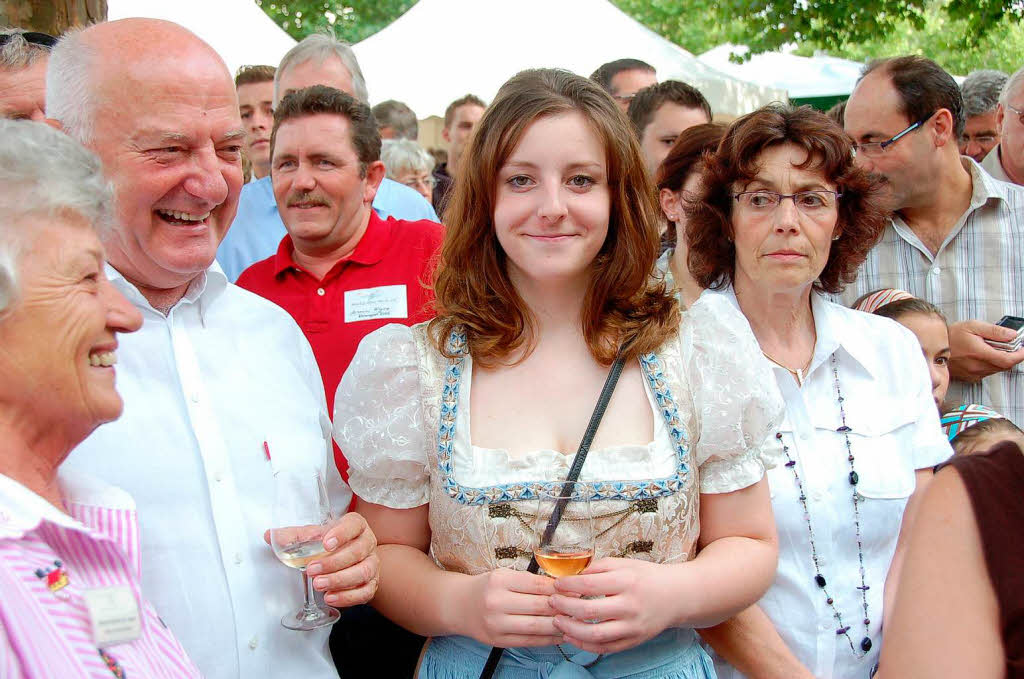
(56, 577)
(112, 665)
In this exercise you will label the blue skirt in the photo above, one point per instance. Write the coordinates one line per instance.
(673, 654)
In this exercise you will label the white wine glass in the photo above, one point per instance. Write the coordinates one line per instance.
(302, 515)
(568, 548)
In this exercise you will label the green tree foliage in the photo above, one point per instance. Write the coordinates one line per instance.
(351, 20)
(961, 35)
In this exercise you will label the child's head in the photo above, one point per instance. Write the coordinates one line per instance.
(929, 326)
(981, 434)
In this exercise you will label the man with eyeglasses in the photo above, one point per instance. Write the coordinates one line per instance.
(980, 90)
(23, 57)
(955, 236)
(623, 78)
(1006, 161)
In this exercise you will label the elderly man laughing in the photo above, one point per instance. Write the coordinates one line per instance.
(220, 386)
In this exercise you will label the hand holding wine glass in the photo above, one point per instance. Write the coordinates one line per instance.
(301, 518)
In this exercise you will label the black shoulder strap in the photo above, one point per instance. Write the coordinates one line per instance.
(574, 473)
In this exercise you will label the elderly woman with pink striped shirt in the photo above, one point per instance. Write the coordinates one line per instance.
(69, 559)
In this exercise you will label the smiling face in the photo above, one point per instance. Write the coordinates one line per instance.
(932, 333)
(23, 92)
(553, 203)
(255, 105)
(322, 193)
(170, 138)
(784, 249)
(667, 123)
(58, 341)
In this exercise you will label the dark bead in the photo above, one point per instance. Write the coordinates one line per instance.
(841, 399)
(802, 498)
(820, 579)
(791, 463)
(865, 588)
(778, 435)
(854, 478)
(865, 644)
(850, 458)
(844, 429)
(829, 601)
(842, 630)
(867, 621)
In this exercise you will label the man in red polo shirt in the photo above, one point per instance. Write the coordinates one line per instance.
(342, 271)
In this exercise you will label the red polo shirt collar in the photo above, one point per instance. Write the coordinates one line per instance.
(369, 250)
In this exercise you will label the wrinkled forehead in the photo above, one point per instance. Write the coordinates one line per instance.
(192, 92)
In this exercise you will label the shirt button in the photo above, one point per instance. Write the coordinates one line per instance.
(320, 291)
(821, 560)
(936, 271)
(816, 496)
(253, 643)
(195, 397)
(803, 436)
(824, 627)
(218, 477)
(238, 558)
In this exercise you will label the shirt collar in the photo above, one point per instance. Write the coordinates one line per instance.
(369, 250)
(832, 329)
(203, 290)
(22, 510)
(985, 186)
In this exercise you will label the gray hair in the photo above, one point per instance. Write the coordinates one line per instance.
(44, 172)
(980, 90)
(1012, 84)
(400, 155)
(18, 53)
(320, 47)
(70, 98)
(399, 117)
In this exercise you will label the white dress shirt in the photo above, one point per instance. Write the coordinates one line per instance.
(204, 387)
(887, 396)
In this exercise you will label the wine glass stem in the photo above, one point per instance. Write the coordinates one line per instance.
(307, 590)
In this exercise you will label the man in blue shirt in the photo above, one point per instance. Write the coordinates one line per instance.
(257, 229)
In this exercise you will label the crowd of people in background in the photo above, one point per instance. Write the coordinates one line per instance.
(803, 330)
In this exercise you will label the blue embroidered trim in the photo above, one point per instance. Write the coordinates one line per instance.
(603, 490)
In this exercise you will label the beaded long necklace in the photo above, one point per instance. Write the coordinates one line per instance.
(854, 479)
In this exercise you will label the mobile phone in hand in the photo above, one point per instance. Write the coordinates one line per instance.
(1015, 323)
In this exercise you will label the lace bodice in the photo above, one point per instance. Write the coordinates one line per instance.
(400, 419)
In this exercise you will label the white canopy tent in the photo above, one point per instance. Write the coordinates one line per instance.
(442, 49)
(239, 30)
(802, 77)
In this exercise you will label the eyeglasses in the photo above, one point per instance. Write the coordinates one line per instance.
(1020, 114)
(811, 203)
(427, 181)
(876, 148)
(33, 37)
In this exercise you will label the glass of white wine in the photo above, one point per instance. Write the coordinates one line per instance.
(568, 547)
(302, 516)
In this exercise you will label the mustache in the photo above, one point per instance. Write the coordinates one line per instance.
(306, 198)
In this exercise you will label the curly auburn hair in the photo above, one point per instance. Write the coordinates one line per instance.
(861, 219)
(472, 287)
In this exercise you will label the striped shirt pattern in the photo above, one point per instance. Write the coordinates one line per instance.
(978, 273)
(45, 628)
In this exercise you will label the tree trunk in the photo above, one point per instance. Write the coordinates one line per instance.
(51, 16)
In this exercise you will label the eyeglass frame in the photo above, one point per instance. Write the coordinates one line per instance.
(31, 37)
(1020, 114)
(791, 196)
(884, 145)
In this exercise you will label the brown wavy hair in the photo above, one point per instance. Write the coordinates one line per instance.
(685, 157)
(471, 284)
(861, 220)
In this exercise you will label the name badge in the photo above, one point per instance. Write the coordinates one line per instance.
(113, 615)
(387, 301)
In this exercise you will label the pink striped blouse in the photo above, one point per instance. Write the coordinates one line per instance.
(47, 560)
